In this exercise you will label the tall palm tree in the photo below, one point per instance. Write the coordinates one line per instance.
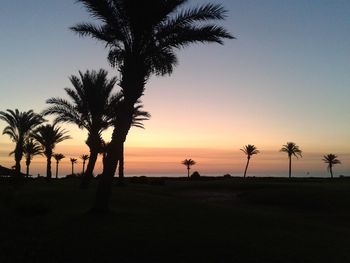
(48, 136)
(142, 37)
(188, 163)
(249, 150)
(58, 157)
(84, 157)
(19, 127)
(73, 161)
(291, 149)
(30, 149)
(331, 160)
(90, 100)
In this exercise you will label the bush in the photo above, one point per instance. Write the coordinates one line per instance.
(227, 176)
(195, 176)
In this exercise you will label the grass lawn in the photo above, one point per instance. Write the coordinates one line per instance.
(218, 220)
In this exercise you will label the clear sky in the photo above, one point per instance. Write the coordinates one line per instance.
(285, 78)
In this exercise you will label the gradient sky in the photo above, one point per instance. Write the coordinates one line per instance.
(285, 78)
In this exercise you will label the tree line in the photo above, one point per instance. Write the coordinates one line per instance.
(290, 148)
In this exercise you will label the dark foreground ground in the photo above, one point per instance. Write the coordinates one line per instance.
(226, 220)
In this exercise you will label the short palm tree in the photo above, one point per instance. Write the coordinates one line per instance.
(249, 150)
(142, 37)
(87, 107)
(30, 149)
(331, 160)
(188, 163)
(84, 157)
(291, 149)
(19, 127)
(48, 136)
(58, 157)
(73, 161)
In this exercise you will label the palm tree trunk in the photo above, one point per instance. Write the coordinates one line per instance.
(113, 156)
(290, 166)
(88, 175)
(56, 170)
(331, 171)
(27, 172)
(121, 164)
(188, 172)
(72, 168)
(48, 168)
(18, 158)
(246, 168)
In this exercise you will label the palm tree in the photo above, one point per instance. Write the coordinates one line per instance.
(249, 150)
(331, 160)
(91, 98)
(20, 125)
(291, 149)
(48, 136)
(73, 161)
(142, 37)
(84, 157)
(58, 157)
(188, 163)
(30, 149)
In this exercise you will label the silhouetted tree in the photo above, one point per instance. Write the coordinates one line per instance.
(30, 149)
(73, 161)
(249, 150)
(19, 126)
(142, 37)
(331, 160)
(91, 98)
(48, 136)
(188, 163)
(291, 149)
(58, 157)
(139, 116)
(84, 157)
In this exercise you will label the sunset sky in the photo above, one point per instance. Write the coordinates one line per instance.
(285, 78)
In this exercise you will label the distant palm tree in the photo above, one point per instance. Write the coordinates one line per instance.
(48, 136)
(58, 157)
(90, 101)
(142, 37)
(249, 150)
(188, 163)
(331, 160)
(20, 125)
(30, 149)
(84, 157)
(73, 161)
(291, 149)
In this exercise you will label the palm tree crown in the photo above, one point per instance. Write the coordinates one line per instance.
(142, 35)
(250, 150)
(291, 149)
(20, 124)
(331, 160)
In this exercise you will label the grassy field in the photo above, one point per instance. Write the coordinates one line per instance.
(225, 220)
